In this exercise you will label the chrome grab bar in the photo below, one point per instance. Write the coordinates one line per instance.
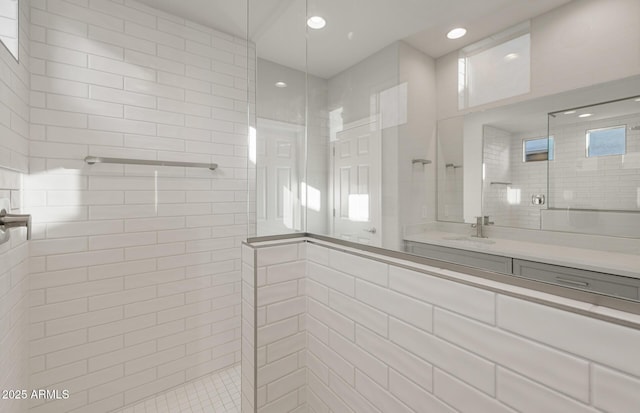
(92, 160)
(14, 221)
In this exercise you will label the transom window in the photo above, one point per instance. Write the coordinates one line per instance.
(607, 141)
(537, 149)
(9, 25)
(495, 68)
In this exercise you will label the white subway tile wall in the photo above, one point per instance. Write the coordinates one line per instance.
(574, 181)
(510, 205)
(281, 340)
(248, 345)
(14, 305)
(407, 341)
(498, 164)
(606, 182)
(450, 192)
(136, 270)
(14, 254)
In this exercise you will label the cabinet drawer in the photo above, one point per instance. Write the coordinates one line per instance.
(457, 256)
(577, 278)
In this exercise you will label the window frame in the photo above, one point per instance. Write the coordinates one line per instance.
(488, 43)
(15, 55)
(524, 149)
(588, 137)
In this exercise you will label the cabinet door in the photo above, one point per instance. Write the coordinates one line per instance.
(489, 262)
(576, 278)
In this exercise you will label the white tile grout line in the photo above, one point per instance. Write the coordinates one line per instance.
(216, 393)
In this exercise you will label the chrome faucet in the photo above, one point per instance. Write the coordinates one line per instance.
(480, 223)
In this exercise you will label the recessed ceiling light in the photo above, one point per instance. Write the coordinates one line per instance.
(456, 33)
(570, 112)
(281, 84)
(585, 115)
(316, 22)
(511, 56)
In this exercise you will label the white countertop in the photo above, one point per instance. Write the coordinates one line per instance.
(588, 259)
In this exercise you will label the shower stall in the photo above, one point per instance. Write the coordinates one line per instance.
(146, 146)
(153, 144)
(124, 136)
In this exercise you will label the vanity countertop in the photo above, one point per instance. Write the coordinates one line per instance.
(627, 265)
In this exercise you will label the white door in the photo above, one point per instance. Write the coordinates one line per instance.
(357, 183)
(277, 200)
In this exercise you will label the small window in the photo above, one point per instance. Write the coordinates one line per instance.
(538, 149)
(607, 141)
(495, 68)
(9, 25)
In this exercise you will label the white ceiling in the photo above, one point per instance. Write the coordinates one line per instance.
(355, 28)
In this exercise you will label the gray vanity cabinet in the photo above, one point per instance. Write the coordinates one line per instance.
(489, 262)
(586, 280)
(577, 278)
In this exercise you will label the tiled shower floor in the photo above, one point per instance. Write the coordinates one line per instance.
(217, 393)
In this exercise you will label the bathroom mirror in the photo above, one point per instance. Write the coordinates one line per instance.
(391, 159)
(449, 166)
(9, 25)
(540, 167)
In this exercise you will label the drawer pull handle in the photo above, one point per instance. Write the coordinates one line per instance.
(572, 282)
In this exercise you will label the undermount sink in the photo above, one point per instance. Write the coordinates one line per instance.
(469, 240)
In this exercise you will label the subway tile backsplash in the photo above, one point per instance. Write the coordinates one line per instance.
(423, 343)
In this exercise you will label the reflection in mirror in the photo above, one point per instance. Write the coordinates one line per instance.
(357, 107)
(9, 25)
(515, 175)
(449, 164)
(594, 181)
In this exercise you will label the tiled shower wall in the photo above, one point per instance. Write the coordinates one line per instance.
(14, 293)
(135, 270)
(14, 254)
(606, 182)
(575, 181)
(510, 205)
(248, 340)
(281, 339)
(497, 165)
(530, 178)
(382, 337)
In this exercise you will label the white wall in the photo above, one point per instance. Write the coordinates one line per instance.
(450, 133)
(135, 271)
(356, 90)
(291, 106)
(417, 138)
(14, 254)
(382, 337)
(408, 129)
